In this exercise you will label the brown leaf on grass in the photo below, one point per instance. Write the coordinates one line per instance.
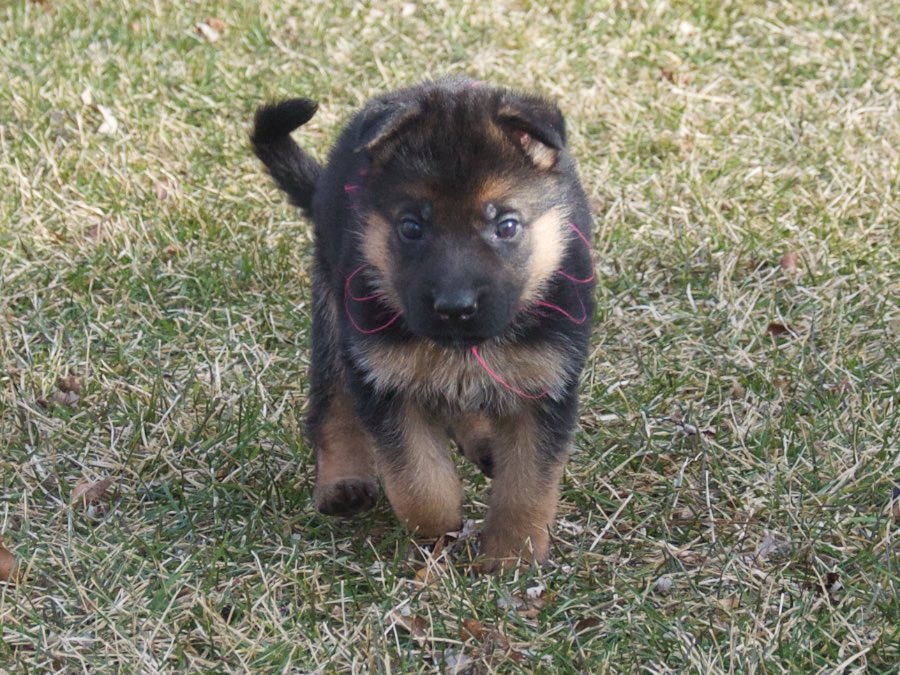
(497, 644)
(673, 76)
(434, 568)
(586, 623)
(430, 574)
(776, 329)
(210, 29)
(9, 568)
(415, 625)
(471, 628)
(69, 384)
(457, 662)
(788, 261)
(95, 232)
(90, 494)
(169, 252)
(166, 189)
(67, 398)
(528, 607)
(728, 604)
(829, 586)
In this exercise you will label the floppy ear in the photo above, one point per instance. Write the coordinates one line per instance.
(537, 126)
(384, 123)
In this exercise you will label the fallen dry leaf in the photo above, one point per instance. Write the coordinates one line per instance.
(416, 626)
(9, 568)
(788, 261)
(456, 661)
(67, 398)
(69, 384)
(165, 189)
(169, 252)
(729, 603)
(585, 623)
(775, 328)
(471, 628)
(95, 232)
(430, 574)
(216, 24)
(528, 607)
(496, 641)
(208, 32)
(87, 493)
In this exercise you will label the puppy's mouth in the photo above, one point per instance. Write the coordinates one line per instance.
(456, 335)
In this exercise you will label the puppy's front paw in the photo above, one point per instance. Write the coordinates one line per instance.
(504, 549)
(345, 497)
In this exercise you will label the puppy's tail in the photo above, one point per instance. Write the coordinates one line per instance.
(295, 172)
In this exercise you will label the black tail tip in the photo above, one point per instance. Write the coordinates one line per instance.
(276, 120)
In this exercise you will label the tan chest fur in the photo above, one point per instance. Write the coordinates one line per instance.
(424, 370)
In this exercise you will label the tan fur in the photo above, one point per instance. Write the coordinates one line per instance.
(377, 251)
(492, 189)
(471, 431)
(426, 370)
(548, 245)
(420, 479)
(344, 450)
(542, 156)
(524, 495)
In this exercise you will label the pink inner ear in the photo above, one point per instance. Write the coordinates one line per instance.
(522, 137)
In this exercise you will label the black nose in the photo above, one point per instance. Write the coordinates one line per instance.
(457, 305)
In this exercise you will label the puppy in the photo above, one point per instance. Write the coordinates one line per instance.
(453, 296)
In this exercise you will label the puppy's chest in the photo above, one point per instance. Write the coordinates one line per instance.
(499, 375)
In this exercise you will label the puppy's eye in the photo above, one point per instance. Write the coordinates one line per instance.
(410, 229)
(507, 228)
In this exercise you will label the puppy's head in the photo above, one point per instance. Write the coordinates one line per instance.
(466, 206)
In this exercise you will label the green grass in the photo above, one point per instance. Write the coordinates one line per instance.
(729, 505)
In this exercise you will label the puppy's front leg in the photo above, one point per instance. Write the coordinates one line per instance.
(528, 467)
(418, 474)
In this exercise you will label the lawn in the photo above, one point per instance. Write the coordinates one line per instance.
(733, 502)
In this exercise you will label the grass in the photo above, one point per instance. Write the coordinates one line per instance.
(729, 507)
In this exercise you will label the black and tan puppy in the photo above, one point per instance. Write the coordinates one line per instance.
(453, 291)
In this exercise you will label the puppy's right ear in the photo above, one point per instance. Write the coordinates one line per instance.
(383, 124)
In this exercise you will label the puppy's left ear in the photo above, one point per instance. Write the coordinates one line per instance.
(536, 125)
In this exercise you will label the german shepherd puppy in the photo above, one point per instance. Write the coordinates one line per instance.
(453, 296)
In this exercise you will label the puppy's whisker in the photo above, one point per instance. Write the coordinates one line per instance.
(503, 383)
